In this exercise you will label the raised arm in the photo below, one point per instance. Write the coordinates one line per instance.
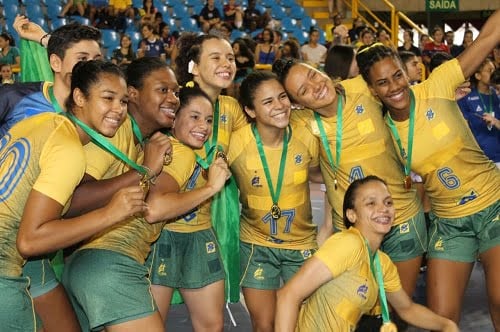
(488, 38)
(312, 275)
(419, 315)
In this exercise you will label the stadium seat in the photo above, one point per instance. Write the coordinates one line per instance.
(297, 12)
(288, 24)
(179, 11)
(10, 10)
(235, 34)
(287, 3)
(278, 12)
(53, 9)
(188, 24)
(136, 38)
(41, 21)
(58, 22)
(79, 19)
(34, 11)
(301, 36)
(110, 39)
(307, 22)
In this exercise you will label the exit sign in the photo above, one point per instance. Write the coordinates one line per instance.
(441, 5)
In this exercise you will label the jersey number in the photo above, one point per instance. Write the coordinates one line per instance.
(17, 156)
(356, 174)
(273, 223)
(447, 178)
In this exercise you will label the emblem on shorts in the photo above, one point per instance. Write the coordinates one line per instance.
(306, 253)
(430, 114)
(404, 228)
(210, 247)
(360, 109)
(362, 290)
(161, 269)
(256, 181)
(439, 244)
(259, 273)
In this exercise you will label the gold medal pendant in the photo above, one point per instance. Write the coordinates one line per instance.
(167, 159)
(275, 211)
(388, 327)
(204, 173)
(144, 184)
(407, 182)
(221, 154)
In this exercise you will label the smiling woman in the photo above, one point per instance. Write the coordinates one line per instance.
(49, 147)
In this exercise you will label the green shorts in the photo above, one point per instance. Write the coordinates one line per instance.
(16, 306)
(407, 240)
(107, 288)
(185, 260)
(42, 276)
(462, 239)
(263, 267)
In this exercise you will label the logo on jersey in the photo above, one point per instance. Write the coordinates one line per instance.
(403, 153)
(362, 291)
(259, 274)
(404, 228)
(479, 109)
(223, 118)
(298, 159)
(430, 114)
(359, 109)
(256, 181)
(467, 198)
(210, 247)
(439, 244)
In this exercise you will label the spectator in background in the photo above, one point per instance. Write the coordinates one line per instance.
(223, 30)
(357, 26)
(73, 7)
(245, 61)
(408, 43)
(266, 52)
(291, 49)
(98, 11)
(6, 71)
(481, 109)
(366, 38)
(313, 52)
(124, 54)
(496, 55)
(253, 19)
(437, 59)
(339, 31)
(340, 63)
(233, 14)
(495, 81)
(209, 17)
(119, 11)
(432, 47)
(384, 38)
(9, 53)
(449, 38)
(412, 65)
(468, 39)
(424, 39)
(150, 45)
(147, 12)
(167, 38)
(336, 7)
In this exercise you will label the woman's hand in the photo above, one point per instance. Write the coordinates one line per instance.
(28, 30)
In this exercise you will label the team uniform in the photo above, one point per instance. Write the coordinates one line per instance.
(366, 149)
(187, 254)
(339, 304)
(23, 100)
(461, 182)
(473, 106)
(99, 298)
(272, 248)
(45, 154)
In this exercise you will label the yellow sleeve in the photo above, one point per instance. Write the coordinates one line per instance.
(392, 283)
(183, 162)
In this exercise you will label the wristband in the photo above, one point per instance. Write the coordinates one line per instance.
(43, 37)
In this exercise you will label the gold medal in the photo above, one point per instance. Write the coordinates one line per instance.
(144, 184)
(407, 182)
(221, 154)
(388, 327)
(275, 211)
(204, 173)
(167, 159)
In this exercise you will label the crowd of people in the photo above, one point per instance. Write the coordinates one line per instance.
(147, 144)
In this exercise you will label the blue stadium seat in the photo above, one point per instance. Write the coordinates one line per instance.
(41, 21)
(110, 39)
(79, 19)
(288, 24)
(307, 22)
(188, 24)
(301, 36)
(10, 10)
(179, 11)
(235, 34)
(288, 3)
(34, 11)
(135, 37)
(297, 12)
(53, 9)
(137, 3)
(58, 22)
(278, 12)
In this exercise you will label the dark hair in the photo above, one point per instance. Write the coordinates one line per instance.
(495, 77)
(410, 33)
(190, 47)
(66, 36)
(186, 94)
(369, 55)
(294, 48)
(271, 33)
(8, 37)
(437, 59)
(139, 69)
(473, 80)
(251, 83)
(244, 49)
(338, 61)
(350, 195)
(406, 56)
(281, 68)
(86, 74)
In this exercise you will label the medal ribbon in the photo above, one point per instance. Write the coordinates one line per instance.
(104, 144)
(274, 194)
(376, 269)
(338, 143)
(394, 130)
(210, 148)
(54, 101)
(490, 109)
(136, 130)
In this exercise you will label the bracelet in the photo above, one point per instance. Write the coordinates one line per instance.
(43, 37)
